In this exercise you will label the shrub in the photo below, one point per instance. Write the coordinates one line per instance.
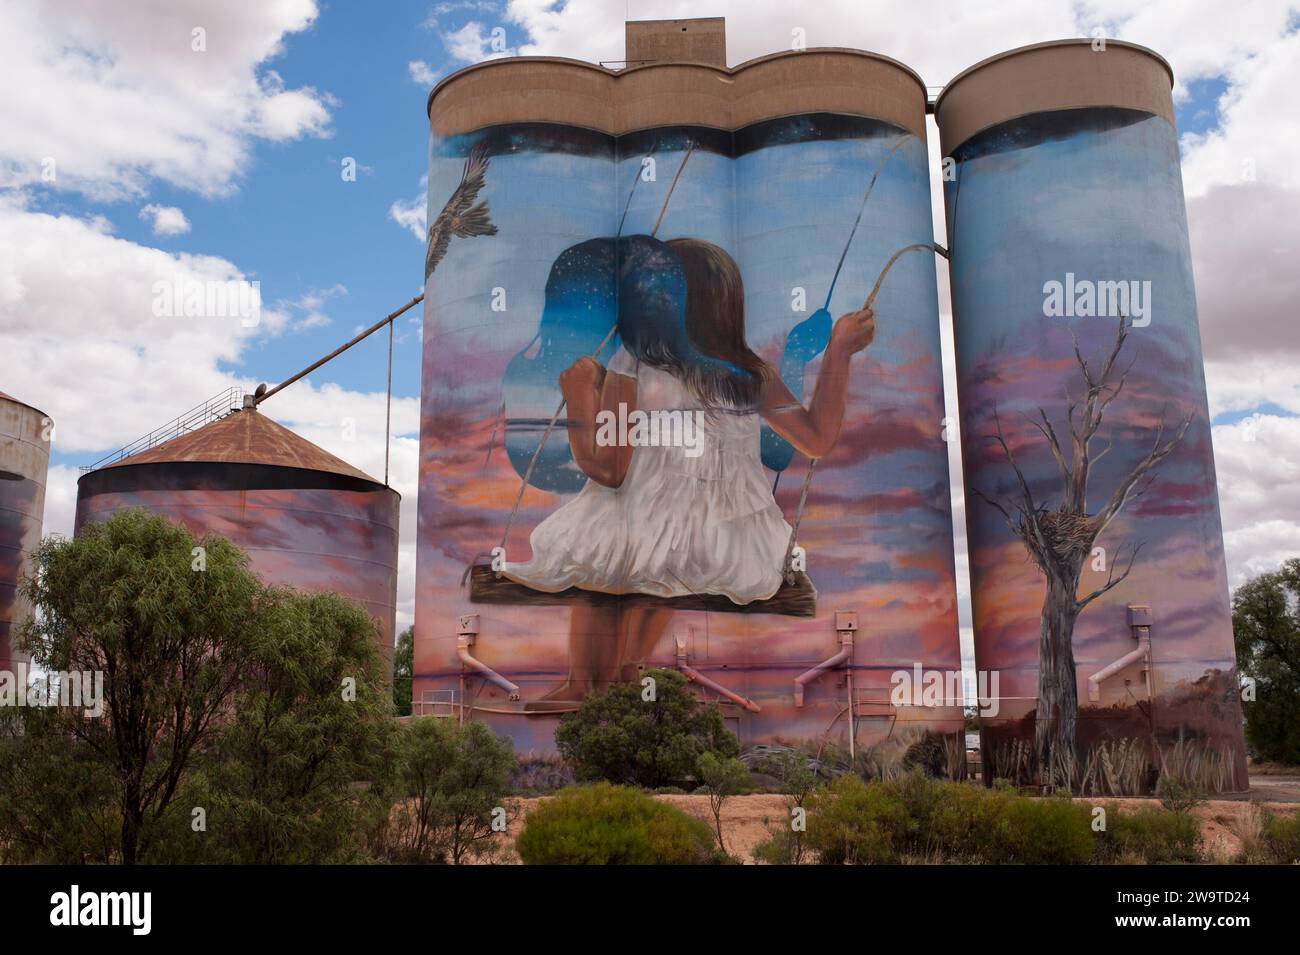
(1177, 796)
(618, 736)
(721, 779)
(602, 824)
(540, 774)
(919, 818)
(1280, 838)
(854, 823)
(1051, 831)
(452, 780)
(1152, 835)
(785, 844)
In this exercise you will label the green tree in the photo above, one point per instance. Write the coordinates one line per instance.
(167, 620)
(298, 769)
(58, 804)
(454, 782)
(629, 734)
(722, 779)
(1266, 629)
(403, 671)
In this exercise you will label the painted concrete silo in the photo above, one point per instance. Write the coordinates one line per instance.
(306, 518)
(696, 231)
(1099, 587)
(24, 463)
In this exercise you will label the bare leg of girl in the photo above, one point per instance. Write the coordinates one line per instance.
(594, 640)
(643, 627)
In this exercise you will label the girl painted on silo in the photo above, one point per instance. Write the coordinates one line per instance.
(694, 514)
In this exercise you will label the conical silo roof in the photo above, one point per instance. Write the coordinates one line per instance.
(245, 437)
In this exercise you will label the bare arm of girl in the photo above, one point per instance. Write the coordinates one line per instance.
(815, 429)
(589, 389)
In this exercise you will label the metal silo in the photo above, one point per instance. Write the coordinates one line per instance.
(572, 207)
(306, 518)
(24, 463)
(1099, 587)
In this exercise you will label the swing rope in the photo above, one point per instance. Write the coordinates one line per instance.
(786, 572)
(861, 209)
(845, 251)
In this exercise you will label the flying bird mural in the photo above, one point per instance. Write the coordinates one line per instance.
(460, 216)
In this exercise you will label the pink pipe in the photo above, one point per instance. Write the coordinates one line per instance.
(846, 652)
(481, 668)
(695, 676)
(1095, 681)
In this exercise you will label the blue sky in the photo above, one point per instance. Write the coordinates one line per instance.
(293, 223)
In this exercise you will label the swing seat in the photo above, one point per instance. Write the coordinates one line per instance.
(792, 600)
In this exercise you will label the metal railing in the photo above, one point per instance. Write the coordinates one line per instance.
(215, 407)
(443, 703)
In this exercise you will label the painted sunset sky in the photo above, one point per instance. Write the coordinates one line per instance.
(1101, 200)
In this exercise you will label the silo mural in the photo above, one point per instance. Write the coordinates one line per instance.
(305, 518)
(643, 323)
(1099, 586)
(24, 463)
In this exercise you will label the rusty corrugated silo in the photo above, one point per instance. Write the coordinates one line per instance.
(24, 464)
(306, 518)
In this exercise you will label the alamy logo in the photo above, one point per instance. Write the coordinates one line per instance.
(1084, 298)
(185, 297)
(918, 687)
(103, 908)
(79, 689)
(651, 429)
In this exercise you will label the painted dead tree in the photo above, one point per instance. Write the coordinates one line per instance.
(1060, 539)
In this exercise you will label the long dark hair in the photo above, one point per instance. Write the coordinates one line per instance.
(682, 310)
(715, 322)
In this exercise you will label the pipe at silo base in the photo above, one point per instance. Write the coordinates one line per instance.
(469, 661)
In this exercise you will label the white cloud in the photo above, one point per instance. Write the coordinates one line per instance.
(82, 341)
(410, 214)
(308, 310)
(165, 220)
(1258, 464)
(421, 72)
(116, 95)
(474, 42)
(60, 499)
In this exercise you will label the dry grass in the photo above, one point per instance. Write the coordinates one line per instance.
(1120, 767)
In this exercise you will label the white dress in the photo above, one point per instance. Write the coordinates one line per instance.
(678, 525)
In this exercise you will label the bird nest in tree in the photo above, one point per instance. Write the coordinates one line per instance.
(1068, 534)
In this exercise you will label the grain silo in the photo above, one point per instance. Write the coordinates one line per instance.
(1099, 586)
(306, 518)
(24, 463)
(698, 230)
